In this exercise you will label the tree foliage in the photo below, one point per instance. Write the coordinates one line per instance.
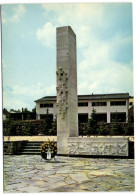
(48, 123)
(54, 127)
(92, 124)
(9, 127)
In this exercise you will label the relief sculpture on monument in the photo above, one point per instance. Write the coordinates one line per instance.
(62, 91)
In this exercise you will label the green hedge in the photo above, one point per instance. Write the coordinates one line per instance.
(35, 127)
(111, 129)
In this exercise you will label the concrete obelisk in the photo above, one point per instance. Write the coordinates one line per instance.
(67, 103)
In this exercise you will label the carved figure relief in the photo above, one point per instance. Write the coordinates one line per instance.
(79, 148)
(62, 92)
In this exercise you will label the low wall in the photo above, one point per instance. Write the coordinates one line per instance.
(30, 138)
(12, 147)
(92, 146)
(98, 146)
(51, 138)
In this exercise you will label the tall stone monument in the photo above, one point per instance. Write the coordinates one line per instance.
(67, 103)
(68, 141)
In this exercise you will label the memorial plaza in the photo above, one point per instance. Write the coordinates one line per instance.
(31, 173)
(77, 166)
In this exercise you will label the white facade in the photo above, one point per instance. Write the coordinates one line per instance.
(106, 109)
(42, 111)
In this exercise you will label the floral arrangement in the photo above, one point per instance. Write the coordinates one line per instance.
(48, 146)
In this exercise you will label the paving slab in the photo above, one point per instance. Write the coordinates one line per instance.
(67, 174)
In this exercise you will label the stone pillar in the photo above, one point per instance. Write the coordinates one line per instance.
(108, 117)
(38, 117)
(67, 103)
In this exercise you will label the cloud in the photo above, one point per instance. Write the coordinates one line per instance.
(106, 47)
(72, 12)
(3, 16)
(4, 64)
(102, 74)
(18, 11)
(18, 96)
(121, 49)
(34, 91)
(78, 16)
(14, 103)
(46, 35)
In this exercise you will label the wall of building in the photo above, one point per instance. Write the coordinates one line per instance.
(44, 110)
(88, 109)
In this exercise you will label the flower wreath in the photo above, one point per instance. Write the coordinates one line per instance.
(48, 145)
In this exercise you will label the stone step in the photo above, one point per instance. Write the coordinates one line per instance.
(29, 153)
(31, 148)
(34, 143)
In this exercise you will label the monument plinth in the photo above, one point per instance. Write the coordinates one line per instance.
(67, 103)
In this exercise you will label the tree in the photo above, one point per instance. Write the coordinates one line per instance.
(54, 127)
(129, 128)
(92, 127)
(34, 109)
(48, 123)
(9, 127)
(103, 130)
(25, 110)
(116, 127)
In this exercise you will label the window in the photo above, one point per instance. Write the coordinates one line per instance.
(43, 116)
(83, 104)
(99, 103)
(101, 117)
(48, 105)
(121, 117)
(117, 103)
(83, 118)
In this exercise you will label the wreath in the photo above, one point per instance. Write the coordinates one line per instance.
(48, 146)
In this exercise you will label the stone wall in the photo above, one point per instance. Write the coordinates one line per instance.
(12, 147)
(98, 146)
(85, 146)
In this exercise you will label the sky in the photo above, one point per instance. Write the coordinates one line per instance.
(104, 49)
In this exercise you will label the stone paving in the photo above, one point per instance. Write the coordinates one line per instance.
(67, 174)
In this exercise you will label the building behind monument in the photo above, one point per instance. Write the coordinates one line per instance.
(107, 106)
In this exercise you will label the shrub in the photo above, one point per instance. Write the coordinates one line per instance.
(54, 127)
(9, 127)
(27, 129)
(102, 128)
(48, 123)
(92, 128)
(116, 128)
(83, 129)
(129, 129)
